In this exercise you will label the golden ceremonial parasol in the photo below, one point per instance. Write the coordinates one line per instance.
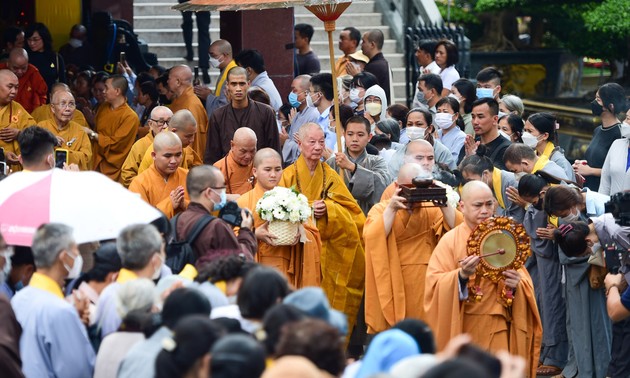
(327, 11)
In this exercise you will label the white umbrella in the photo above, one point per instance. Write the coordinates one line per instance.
(96, 207)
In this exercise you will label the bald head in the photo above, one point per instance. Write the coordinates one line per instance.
(166, 140)
(477, 203)
(183, 123)
(179, 79)
(18, 61)
(408, 172)
(201, 178)
(244, 135)
(308, 129)
(420, 152)
(221, 46)
(58, 87)
(475, 187)
(8, 86)
(302, 82)
(266, 153)
(161, 112)
(160, 119)
(243, 146)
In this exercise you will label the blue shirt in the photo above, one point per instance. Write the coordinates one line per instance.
(290, 150)
(453, 140)
(625, 299)
(54, 342)
(264, 81)
(140, 361)
(107, 318)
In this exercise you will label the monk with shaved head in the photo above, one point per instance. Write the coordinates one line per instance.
(492, 322)
(399, 240)
(158, 121)
(298, 262)
(116, 128)
(44, 112)
(13, 117)
(220, 57)
(180, 84)
(162, 185)
(33, 88)
(236, 166)
(418, 151)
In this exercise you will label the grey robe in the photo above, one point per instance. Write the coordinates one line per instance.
(557, 156)
(369, 180)
(511, 209)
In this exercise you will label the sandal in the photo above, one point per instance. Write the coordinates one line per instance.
(548, 371)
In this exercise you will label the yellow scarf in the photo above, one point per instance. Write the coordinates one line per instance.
(496, 185)
(45, 283)
(126, 275)
(548, 150)
(540, 163)
(219, 88)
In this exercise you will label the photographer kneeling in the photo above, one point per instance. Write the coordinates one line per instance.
(206, 188)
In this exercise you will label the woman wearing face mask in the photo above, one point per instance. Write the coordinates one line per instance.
(449, 125)
(610, 100)
(541, 135)
(385, 138)
(446, 57)
(616, 170)
(479, 167)
(420, 126)
(465, 92)
(360, 83)
(375, 103)
(511, 127)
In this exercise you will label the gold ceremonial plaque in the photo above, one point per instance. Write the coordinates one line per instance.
(502, 245)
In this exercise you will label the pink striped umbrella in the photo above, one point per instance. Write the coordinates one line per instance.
(96, 207)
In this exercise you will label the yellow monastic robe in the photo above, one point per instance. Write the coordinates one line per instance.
(340, 66)
(189, 100)
(132, 163)
(190, 159)
(156, 191)
(343, 256)
(397, 264)
(491, 325)
(14, 116)
(238, 179)
(43, 113)
(388, 192)
(300, 263)
(80, 149)
(117, 129)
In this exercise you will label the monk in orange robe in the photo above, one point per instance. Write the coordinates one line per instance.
(491, 324)
(180, 84)
(416, 151)
(116, 128)
(339, 221)
(158, 121)
(13, 118)
(70, 135)
(162, 185)
(399, 239)
(300, 263)
(44, 112)
(33, 89)
(237, 165)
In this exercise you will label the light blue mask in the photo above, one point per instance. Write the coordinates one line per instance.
(221, 204)
(293, 100)
(485, 93)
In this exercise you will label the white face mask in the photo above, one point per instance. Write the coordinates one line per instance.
(76, 267)
(518, 175)
(6, 270)
(529, 140)
(374, 108)
(214, 62)
(572, 217)
(443, 120)
(452, 95)
(505, 135)
(415, 132)
(354, 95)
(309, 101)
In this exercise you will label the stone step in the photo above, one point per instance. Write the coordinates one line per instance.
(161, 7)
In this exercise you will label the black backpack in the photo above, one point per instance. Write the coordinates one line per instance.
(180, 252)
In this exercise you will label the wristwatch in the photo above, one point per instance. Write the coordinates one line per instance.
(93, 135)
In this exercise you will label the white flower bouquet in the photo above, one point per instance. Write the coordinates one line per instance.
(285, 209)
(452, 197)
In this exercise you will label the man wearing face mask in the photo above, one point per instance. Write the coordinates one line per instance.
(429, 91)
(320, 96)
(221, 58)
(522, 160)
(10, 361)
(54, 342)
(301, 114)
(141, 251)
(489, 83)
(206, 187)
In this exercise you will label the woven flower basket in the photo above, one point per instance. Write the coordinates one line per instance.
(284, 231)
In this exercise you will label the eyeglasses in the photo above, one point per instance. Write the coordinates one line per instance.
(161, 122)
(65, 105)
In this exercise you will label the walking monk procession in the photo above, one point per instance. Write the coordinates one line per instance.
(249, 212)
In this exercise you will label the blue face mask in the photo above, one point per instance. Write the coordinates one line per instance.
(221, 204)
(485, 93)
(293, 100)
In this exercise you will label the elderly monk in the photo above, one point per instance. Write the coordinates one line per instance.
(44, 112)
(116, 128)
(416, 151)
(339, 221)
(183, 124)
(240, 112)
(162, 185)
(180, 84)
(236, 166)
(70, 135)
(399, 239)
(157, 122)
(33, 88)
(491, 324)
(13, 118)
(300, 262)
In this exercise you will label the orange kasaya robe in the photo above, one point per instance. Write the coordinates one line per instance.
(238, 179)
(14, 116)
(132, 163)
(491, 325)
(116, 130)
(156, 191)
(342, 256)
(300, 263)
(189, 100)
(32, 90)
(43, 113)
(80, 148)
(396, 264)
(190, 159)
(389, 191)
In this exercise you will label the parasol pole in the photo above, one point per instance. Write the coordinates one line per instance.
(329, 26)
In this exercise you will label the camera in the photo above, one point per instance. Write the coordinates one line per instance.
(231, 214)
(619, 207)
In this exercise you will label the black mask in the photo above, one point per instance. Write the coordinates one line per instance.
(538, 205)
(596, 108)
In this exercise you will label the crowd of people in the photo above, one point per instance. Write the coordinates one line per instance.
(373, 283)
